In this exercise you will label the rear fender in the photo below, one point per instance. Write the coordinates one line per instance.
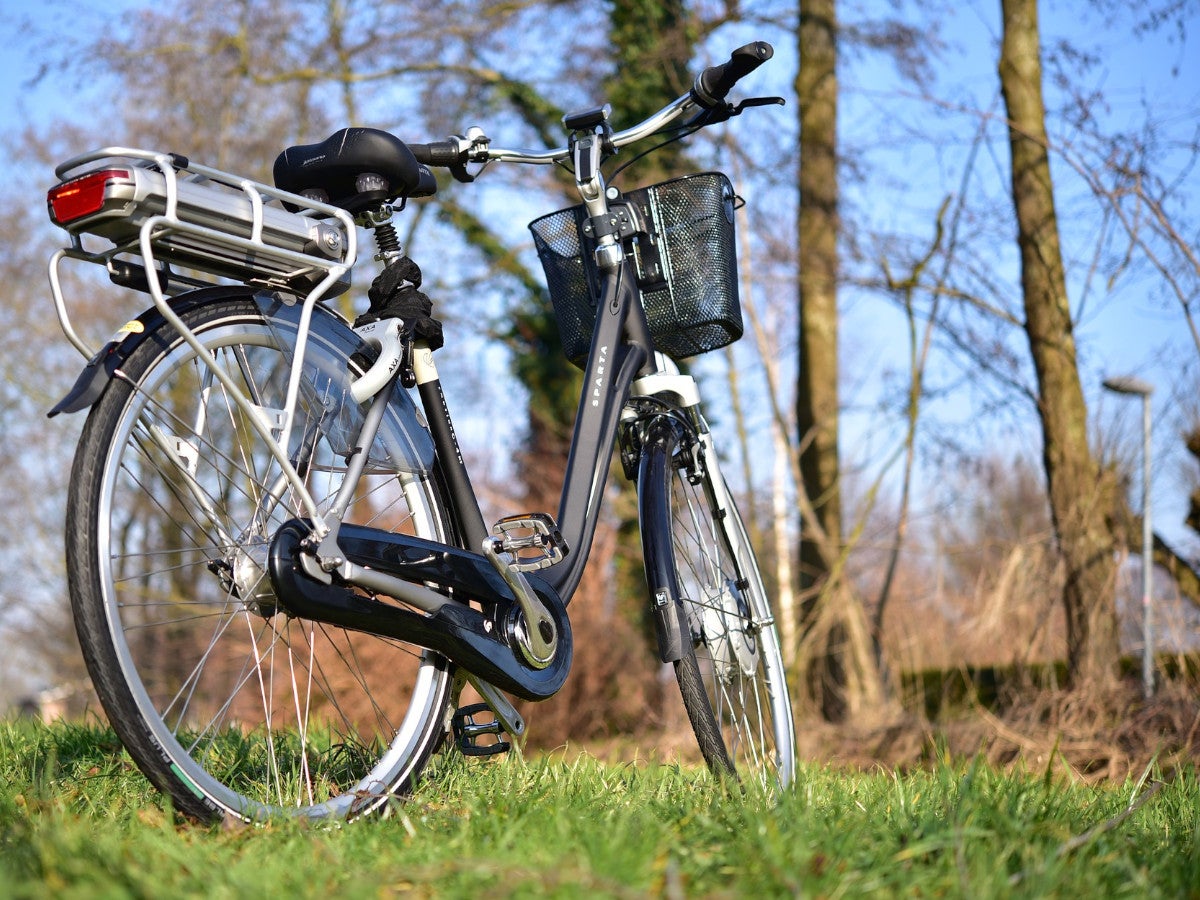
(100, 370)
(403, 443)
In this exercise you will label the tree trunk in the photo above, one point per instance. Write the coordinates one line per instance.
(817, 394)
(839, 668)
(1081, 491)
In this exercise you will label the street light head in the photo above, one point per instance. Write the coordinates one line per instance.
(1127, 384)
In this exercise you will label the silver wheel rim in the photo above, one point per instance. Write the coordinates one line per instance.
(279, 651)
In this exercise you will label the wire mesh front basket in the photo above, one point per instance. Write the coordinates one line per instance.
(686, 264)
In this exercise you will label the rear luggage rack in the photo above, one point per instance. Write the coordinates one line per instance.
(158, 222)
(143, 212)
(200, 218)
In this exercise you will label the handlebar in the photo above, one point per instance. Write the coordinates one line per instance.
(709, 91)
(715, 82)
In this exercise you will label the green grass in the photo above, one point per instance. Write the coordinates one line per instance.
(77, 820)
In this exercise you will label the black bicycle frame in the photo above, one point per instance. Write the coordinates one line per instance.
(621, 350)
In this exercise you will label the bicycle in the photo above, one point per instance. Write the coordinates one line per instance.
(279, 572)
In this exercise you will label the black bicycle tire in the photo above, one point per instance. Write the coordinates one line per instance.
(701, 716)
(114, 690)
(707, 723)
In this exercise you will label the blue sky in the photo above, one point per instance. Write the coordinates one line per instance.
(1135, 333)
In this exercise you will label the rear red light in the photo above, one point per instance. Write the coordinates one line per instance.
(82, 196)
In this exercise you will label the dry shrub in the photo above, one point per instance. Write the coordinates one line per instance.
(1100, 733)
(1011, 615)
(1088, 734)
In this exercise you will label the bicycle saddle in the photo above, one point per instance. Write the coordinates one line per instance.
(354, 168)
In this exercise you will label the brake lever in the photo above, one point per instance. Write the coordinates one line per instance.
(472, 147)
(758, 101)
(725, 111)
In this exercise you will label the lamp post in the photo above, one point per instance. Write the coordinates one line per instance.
(1136, 387)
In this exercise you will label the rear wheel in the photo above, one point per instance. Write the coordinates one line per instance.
(226, 702)
(731, 676)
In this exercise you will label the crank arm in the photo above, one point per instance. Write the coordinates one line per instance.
(538, 638)
(512, 721)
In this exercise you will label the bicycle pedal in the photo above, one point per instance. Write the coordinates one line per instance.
(467, 731)
(533, 539)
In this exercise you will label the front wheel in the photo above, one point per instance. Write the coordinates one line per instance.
(731, 673)
(228, 703)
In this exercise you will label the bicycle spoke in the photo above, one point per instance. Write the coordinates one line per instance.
(735, 647)
(251, 708)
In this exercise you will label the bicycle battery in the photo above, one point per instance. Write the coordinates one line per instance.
(200, 219)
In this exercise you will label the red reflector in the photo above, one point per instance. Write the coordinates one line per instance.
(82, 196)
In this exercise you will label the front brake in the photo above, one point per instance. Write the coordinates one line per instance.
(723, 112)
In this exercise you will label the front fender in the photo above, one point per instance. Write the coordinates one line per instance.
(655, 473)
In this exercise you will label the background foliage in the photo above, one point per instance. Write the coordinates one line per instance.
(929, 304)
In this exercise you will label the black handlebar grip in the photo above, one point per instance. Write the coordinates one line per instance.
(716, 81)
(437, 153)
